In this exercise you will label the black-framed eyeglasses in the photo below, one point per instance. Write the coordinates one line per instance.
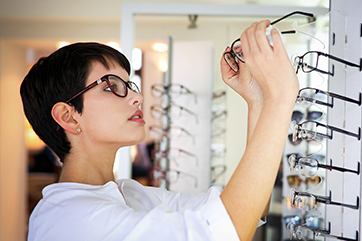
(308, 166)
(311, 129)
(308, 201)
(115, 84)
(308, 62)
(235, 55)
(307, 96)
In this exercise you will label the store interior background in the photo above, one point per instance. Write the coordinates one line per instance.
(32, 29)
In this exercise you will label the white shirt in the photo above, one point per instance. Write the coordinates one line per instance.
(126, 210)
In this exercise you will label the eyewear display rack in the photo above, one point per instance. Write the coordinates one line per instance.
(338, 214)
(345, 42)
(188, 134)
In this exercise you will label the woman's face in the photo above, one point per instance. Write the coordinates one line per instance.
(108, 120)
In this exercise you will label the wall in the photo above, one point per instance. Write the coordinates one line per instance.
(12, 145)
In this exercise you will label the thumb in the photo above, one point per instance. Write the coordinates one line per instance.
(278, 44)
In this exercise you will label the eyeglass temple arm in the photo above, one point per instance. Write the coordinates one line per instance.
(321, 71)
(85, 89)
(341, 169)
(333, 95)
(328, 200)
(190, 92)
(358, 102)
(343, 61)
(326, 233)
(311, 15)
(189, 175)
(332, 128)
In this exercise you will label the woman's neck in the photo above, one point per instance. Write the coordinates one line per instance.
(94, 171)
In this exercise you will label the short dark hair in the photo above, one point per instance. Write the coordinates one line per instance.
(58, 77)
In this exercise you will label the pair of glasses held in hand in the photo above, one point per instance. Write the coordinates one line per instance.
(235, 55)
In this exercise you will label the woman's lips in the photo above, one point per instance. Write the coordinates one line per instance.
(137, 117)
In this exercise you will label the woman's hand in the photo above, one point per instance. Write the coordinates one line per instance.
(242, 82)
(269, 66)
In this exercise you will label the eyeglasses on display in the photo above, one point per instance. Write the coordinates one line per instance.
(297, 115)
(302, 232)
(311, 129)
(307, 201)
(308, 96)
(175, 154)
(172, 132)
(308, 62)
(115, 84)
(296, 181)
(173, 110)
(295, 140)
(314, 222)
(173, 90)
(170, 176)
(308, 166)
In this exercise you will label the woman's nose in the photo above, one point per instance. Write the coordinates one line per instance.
(136, 98)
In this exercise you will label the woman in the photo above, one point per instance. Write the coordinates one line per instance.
(81, 103)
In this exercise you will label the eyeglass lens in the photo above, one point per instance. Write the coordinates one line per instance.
(120, 87)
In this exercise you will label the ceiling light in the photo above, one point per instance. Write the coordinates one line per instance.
(160, 47)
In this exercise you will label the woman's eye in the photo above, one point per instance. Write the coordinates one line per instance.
(114, 87)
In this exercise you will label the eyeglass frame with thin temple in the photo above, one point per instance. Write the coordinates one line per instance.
(165, 131)
(167, 154)
(302, 133)
(128, 84)
(296, 232)
(312, 100)
(165, 172)
(237, 58)
(296, 162)
(300, 64)
(320, 199)
(165, 110)
(166, 88)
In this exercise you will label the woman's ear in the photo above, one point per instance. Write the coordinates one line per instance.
(63, 114)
